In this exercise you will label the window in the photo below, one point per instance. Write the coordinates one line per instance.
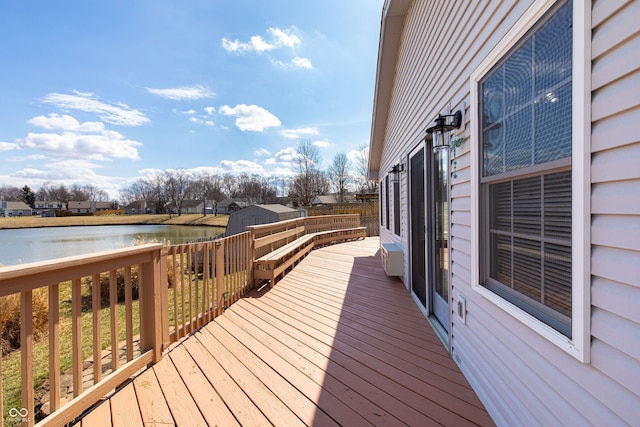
(386, 200)
(396, 205)
(525, 131)
(381, 189)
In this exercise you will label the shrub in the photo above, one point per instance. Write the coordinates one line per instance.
(104, 285)
(10, 319)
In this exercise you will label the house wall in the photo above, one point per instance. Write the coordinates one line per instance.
(521, 377)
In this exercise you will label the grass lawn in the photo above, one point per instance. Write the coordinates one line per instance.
(185, 219)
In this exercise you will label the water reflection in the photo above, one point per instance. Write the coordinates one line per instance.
(38, 244)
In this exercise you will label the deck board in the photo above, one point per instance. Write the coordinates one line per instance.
(125, 411)
(181, 404)
(335, 342)
(212, 407)
(100, 416)
(153, 406)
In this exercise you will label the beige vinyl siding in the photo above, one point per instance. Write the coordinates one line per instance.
(521, 377)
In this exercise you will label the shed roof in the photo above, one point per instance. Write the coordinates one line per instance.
(277, 208)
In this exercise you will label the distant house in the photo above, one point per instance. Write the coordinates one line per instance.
(196, 207)
(138, 207)
(259, 214)
(14, 209)
(86, 206)
(505, 141)
(47, 207)
(231, 205)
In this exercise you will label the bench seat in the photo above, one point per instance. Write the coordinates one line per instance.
(275, 263)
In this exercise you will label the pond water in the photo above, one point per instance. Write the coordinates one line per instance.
(38, 244)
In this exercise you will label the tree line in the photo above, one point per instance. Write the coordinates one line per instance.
(172, 187)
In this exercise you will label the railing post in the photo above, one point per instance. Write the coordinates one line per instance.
(26, 354)
(164, 297)
(151, 317)
(219, 277)
(251, 257)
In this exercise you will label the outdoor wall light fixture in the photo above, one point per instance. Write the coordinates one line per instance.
(444, 123)
(395, 170)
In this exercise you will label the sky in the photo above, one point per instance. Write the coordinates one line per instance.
(106, 92)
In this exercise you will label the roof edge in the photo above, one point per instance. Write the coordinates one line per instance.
(391, 26)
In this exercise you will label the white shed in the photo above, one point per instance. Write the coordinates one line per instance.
(258, 214)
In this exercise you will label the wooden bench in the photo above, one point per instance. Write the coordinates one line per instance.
(294, 242)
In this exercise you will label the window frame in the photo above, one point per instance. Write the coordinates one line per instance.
(579, 345)
(386, 201)
(396, 206)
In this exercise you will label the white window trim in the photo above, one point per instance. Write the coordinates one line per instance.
(579, 345)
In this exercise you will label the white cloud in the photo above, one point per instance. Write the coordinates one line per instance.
(356, 156)
(322, 144)
(189, 112)
(285, 157)
(97, 146)
(302, 63)
(61, 170)
(210, 110)
(65, 122)
(285, 37)
(200, 121)
(117, 114)
(262, 152)
(183, 93)
(250, 117)
(8, 146)
(300, 132)
(238, 166)
(69, 172)
(296, 62)
(279, 38)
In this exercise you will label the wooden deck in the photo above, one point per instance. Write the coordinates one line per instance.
(335, 342)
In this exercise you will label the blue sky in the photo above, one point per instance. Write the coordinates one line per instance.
(104, 92)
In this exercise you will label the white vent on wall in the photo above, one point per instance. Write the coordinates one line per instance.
(392, 259)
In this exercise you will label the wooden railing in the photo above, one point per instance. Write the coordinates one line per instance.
(208, 277)
(76, 272)
(93, 310)
(269, 237)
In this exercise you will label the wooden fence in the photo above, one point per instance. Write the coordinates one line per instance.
(369, 213)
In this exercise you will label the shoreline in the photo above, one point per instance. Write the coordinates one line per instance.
(210, 220)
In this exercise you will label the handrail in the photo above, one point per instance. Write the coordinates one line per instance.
(269, 237)
(26, 279)
(181, 288)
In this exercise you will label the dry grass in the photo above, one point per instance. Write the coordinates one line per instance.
(190, 219)
(10, 319)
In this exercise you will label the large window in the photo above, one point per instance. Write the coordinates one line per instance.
(396, 205)
(525, 106)
(386, 201)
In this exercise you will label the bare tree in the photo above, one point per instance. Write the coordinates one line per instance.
(229, 185)
(52, 192)
(362, 171)
(178, 186)
(305, 185)
(11, 194)
(339, 175)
